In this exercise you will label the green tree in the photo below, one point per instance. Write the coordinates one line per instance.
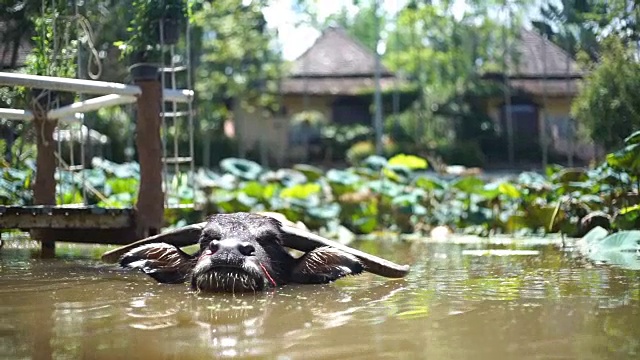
(237, 61)
(361, 26)
(444, 53)
(579, 25)
(607, 104)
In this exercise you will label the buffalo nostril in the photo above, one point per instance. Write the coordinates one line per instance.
(214, 245)
(246, 249)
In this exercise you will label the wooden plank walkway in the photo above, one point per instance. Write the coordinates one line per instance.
(64, 217)
(86, 224)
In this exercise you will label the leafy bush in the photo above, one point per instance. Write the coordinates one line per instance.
(379, 193)
(359, 151)
(466, 153)
(607, 103)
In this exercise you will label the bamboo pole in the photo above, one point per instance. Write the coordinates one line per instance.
(507, 93)
(377, 99)
(543, 121)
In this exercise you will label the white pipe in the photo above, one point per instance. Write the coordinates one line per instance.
(26, 115)
(67, 84)
(15, 114)
(90, 105)
(183, 96)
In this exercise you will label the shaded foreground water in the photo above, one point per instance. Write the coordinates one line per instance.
(455, 304)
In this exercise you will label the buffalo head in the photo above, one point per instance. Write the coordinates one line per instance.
(241, 252)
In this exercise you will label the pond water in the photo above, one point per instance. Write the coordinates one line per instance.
(455, 304)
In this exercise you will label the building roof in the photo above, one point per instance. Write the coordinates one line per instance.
(336, 64)
(542, 67)
(336, 54)
(539, 57)
(7, 49)
(335, 86)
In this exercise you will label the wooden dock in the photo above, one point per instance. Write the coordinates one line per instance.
(85, 224)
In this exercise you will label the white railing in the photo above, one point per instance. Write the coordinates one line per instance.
(112, 94)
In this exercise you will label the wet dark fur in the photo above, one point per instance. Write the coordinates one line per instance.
(240, 252)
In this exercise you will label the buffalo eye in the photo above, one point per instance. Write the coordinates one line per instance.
(247, 249)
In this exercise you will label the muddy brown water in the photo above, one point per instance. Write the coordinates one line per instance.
(455, 304)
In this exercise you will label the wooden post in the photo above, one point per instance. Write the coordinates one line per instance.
(44, 189)
(150, 205)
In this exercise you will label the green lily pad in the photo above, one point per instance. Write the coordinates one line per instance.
(374, 162)
(409, 161)
(242, 168)
(621, 249)
(311, 172)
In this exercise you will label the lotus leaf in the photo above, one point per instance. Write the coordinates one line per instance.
(628, 218)
(342, 177)
(365, 172)
(621, 249)
(491, 191)
(469, 184)
(242, 168)
(374, 162)
(290, 177)
(428, 183)
(399, 173)
(30, 164)
(409, 204)
(120, 200)
(509, 190)
(570, 175)
(95, 177)
(533, 180)
(303, 204)
(409, 161)
(365, 225)
(14, 174)
(311, 172)
(342, 182)
(628, 158)
(516, 222)
(302, 191)
(234, 202)
(254, 189)
(325, 212)
(633, 138)
(124, 170)
(185, 194)
(227, 182)
(121, 185)
(206, 178)
(386, 188)
(70, 197)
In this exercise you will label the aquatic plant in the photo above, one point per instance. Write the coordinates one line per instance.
(397, 194)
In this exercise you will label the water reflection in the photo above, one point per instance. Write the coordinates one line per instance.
(453, 305)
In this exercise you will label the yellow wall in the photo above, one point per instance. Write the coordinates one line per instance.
(252, 127)
(296, 104)
(552, 107)
(560, 106)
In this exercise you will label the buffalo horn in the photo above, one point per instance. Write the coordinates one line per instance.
(184, 236)
(306, 241)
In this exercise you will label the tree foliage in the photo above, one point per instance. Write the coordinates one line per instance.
(607, 104)
(580, 25)
(237, 57)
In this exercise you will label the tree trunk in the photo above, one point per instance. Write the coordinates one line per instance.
(44, 189)
(150, 205)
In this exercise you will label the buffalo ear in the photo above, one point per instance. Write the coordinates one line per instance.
(163, 262)
(323, 265)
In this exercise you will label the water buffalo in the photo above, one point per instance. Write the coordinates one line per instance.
(241, 252)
